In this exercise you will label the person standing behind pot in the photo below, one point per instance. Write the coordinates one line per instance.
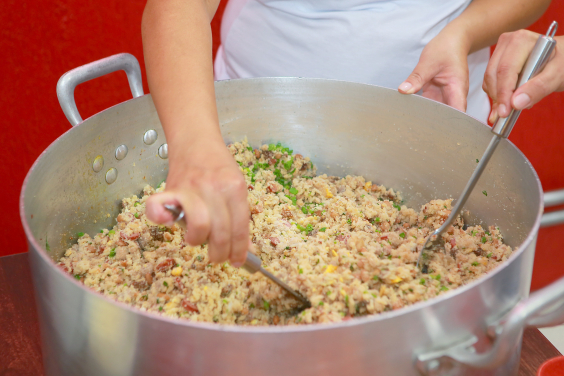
(507, 61)
(438, 47)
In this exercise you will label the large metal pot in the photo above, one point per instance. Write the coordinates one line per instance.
(422, 148)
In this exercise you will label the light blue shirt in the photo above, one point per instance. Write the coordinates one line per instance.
(370, 41)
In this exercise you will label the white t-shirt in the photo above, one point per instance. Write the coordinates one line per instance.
(370, 41)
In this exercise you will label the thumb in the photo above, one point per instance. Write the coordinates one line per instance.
(155, 210)
(536, 88)
(422, 73)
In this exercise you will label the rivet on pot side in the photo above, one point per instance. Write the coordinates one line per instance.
(163, 151)
(98, 163)
(111, 175)
(121, 152)
(150, 137)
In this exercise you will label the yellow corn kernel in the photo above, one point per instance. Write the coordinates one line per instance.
(367, 185)
(205, 287)
(328, 193)
(343, 293)
(334, 253)
(254, 322)
(330, 269)
(396, 280)
(341, 279)
(176, 271)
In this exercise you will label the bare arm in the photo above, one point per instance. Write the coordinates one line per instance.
(203, 177)
(442, 71)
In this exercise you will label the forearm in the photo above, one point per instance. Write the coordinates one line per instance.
(177, 45)
(481, 24)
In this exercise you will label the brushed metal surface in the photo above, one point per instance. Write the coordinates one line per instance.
(422, 148)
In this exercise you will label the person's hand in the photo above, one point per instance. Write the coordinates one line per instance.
(206, 181)
(503, 70)
(442, 71)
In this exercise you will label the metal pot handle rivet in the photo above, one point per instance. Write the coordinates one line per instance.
(163, 151)
(98, 163)
(150, 137)
(121, 152)
(111, 175)
(70, 80)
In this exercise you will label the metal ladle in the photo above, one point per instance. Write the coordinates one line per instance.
(252, 263)
(536, 61)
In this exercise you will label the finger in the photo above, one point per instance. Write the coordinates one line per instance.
(422, 74)
(490, 76)
(538, 87)
(455, 94)
(219, 243)
(432, 92)
(510, 66)
(155, 210)
(239, 213)
(493, 114)
(197, 215)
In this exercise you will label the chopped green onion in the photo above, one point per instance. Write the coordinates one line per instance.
(77, 276)
(301, 271)
(328, 293)
(489, 255)
(112, 252)
(396, 206)
(251, 306)
(160, 308)
(422, 281)
(136, 215)
(402, 235)
(137, 203)
(477, 160)
(320, 303)
(475, 263)
(80, 234)
(376, 278)
(444, 288)
(165, 284)
(265, 304)
(293, 191)
(111, 232)
(484, 239)
(485, 193)
(322, 229)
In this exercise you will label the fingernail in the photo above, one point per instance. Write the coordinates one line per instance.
(501, 110)
(236, 264)
(406, 87)
(521, 101)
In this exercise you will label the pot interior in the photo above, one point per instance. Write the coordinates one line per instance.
(419, 147)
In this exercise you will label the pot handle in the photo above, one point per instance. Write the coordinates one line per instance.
(543, 308)
(68, 81)
(553, 198)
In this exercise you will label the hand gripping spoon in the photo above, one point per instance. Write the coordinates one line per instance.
(252, 263)
(538, 58)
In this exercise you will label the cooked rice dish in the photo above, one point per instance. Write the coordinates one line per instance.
(347, 244)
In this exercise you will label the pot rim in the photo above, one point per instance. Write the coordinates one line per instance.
(232, 328)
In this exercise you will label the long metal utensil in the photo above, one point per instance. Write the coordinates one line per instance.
(536, 61)
(252, 263)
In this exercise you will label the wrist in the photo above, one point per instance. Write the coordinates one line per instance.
(457, 35)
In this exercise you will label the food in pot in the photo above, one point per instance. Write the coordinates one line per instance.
(347, 244)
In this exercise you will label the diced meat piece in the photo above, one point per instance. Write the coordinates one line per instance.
(131, 236)
(274, 241)
(189, 306)
(165, 265)
(141, 285)
(257, 153)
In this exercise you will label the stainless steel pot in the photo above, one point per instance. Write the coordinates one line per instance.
(422, 148)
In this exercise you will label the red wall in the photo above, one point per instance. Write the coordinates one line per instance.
(39, 43)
